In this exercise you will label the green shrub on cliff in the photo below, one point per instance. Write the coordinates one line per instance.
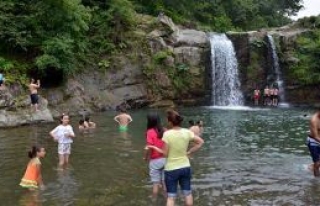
(307, 69)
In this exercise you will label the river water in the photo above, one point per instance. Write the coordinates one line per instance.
(250, 157)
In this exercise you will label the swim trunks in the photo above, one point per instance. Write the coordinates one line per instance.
(34, 98)
(123, 128)
(314, 149)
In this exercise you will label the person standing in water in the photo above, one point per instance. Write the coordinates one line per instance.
(123, 120)
(64, 135)
(313, 142)
(275, 100)
(32, 178)
(266, 96)
(33, 87)
(156, 159)
(177, 168)
(194, 128)
(256, 96)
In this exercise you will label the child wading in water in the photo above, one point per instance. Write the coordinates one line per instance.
(156, 160)
(32, 178)
(63, 134)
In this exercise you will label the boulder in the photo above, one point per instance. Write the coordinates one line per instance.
(191, 56)
(190, 37)
(163, 103)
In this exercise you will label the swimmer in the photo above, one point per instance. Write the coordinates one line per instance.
(88, 123)
(123, 119)
(194, 128)
(82, 127)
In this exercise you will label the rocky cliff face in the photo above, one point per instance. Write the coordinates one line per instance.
(170, 68)
(171, 65)
(255, 62)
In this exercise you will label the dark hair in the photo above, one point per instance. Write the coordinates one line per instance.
(154, 122)
(81, 121)
(174, 118)
(87, 119)
(61, 117)
(33, 152)
(191, 122)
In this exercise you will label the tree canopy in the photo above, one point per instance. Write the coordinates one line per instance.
(58, 34)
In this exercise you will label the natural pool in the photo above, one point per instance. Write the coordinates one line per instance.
(250, 157)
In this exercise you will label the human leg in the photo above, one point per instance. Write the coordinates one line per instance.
(185, 184)
(171, 182)
(315, 154)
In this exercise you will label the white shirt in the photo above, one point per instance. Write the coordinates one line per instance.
(61, 132)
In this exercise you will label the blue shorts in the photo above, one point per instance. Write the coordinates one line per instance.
(314, 152)
(156, 171)
(181, 176)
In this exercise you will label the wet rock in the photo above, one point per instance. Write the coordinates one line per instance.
(190, 37)
(163, 103)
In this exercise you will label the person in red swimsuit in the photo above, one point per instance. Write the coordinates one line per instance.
(256, 96)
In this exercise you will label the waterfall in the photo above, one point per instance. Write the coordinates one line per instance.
(225, 82)
(276, 68)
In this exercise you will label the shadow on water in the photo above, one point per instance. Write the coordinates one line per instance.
(250, 157)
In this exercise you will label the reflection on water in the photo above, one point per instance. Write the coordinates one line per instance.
(250, 157)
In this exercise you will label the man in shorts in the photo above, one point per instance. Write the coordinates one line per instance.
(313, 142)
(123, 119)
(33, 87)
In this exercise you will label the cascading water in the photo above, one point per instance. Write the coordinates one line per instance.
(276, 68)
(225, 82)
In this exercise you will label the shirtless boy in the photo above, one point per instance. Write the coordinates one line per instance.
(194, 128)
(123, 119)
(313, 141)
(33, 87)
(256, 96)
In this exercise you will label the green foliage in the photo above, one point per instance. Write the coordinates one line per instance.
(180, 77)
(68, 34)
(160, 56)
(223, 15)
(307, 70)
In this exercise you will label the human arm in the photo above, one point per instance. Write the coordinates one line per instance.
(130, 118)
(53, 134)
(38, 83)
(157, 149)
(39, 180)
(314, 128)
(92, 125)
(146, 154)
(198, 144)
(70, 133)
(116, 118)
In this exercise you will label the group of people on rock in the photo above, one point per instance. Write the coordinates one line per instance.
(270, 96)
(167, 152)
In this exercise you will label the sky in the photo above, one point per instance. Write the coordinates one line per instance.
(312, 7)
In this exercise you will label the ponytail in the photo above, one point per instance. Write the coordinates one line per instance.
(33, 152)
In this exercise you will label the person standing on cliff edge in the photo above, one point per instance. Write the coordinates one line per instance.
(33, 87)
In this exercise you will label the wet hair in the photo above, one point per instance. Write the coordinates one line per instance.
(81, 121)
(33, 152)
(61, 117)
(174, 117)
(191, 122)
(87, 119)
(154, 122)
(198, 122)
